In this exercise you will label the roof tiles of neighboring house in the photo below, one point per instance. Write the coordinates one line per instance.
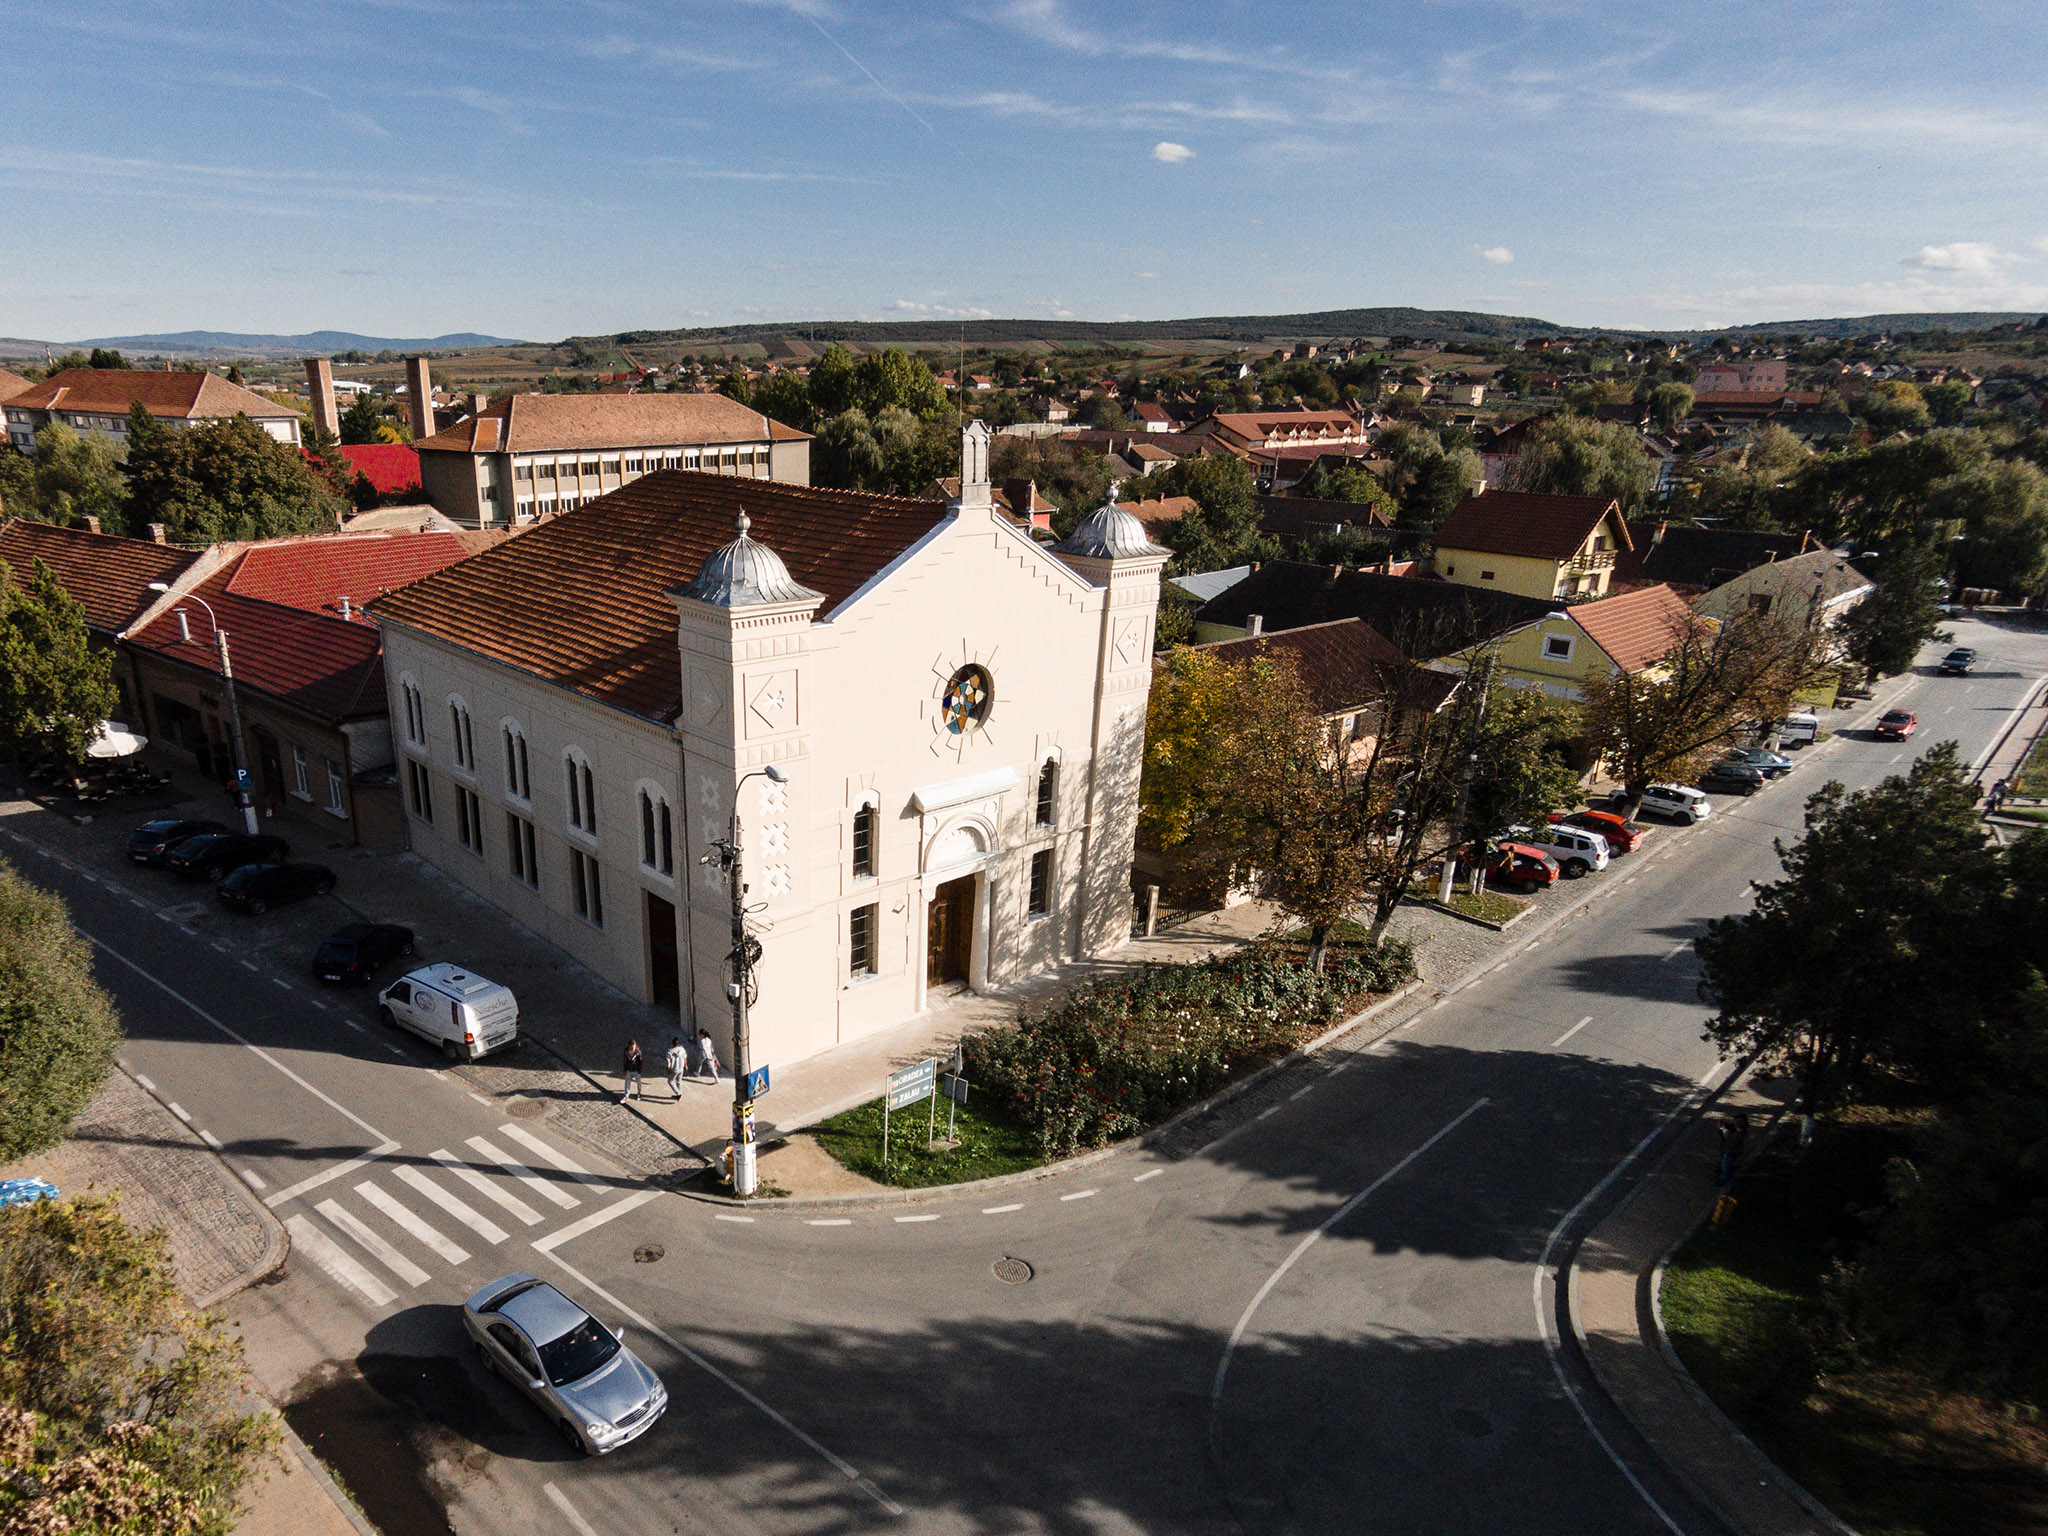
(571, 423)
(1179, 444)
(107, 576)
(1526, 523)
(1304, 517)
(1257, 427)
(1819, 579)
(171, 396)
(12, 384)
(314, 575)
(1161, 513)
(1345, 664)
(582, 599)
(1637, 628)
(1425, 619)
(1695, 559)
(1150, 411)
(390, 468)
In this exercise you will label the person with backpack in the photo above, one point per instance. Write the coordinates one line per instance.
(677, 1061)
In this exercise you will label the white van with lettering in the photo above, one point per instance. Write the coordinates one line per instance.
(460, 1011)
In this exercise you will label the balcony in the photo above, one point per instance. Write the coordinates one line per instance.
(1590, 560)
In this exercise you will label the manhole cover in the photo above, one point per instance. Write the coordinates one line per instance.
(648, 1253)
(1011, 1271)
(1470, 1422)
(525, 1109)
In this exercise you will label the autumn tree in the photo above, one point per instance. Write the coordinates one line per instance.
(1569, 455)
(56, 687)
(226, 480)
(58, 1030)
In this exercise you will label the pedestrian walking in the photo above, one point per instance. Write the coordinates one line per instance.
(677, 1062)
(1728, 1153)
(632, 1071)
(1995, 799)
(707, 1058)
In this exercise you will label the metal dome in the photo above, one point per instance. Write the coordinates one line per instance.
(746, 572)
(1108, 533)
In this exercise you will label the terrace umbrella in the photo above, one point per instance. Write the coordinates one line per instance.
(114, 739)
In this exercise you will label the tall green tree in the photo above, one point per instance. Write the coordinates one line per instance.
(1223, 528)
(833, 387)
(58, 1030)
(227, 480)
(70, 478)
(1568, 455)
(1519, 772)
(1348, 482)
(56, 687)
(1875, 496)
(1884, 632)
(103, 357)
(1670, 403)
(2002, 508)
(893, 380)
(785, 397)
(359, 423)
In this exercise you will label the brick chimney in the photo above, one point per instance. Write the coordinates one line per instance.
(419, 387)
(1254, 624)
(92, 525)
(478, 404)
(320, 385)
(156, 534)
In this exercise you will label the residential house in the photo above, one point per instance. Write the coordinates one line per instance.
(1299, 519)
(1468, 392)
(1148, 457)
(1561, 650)
(955, 714)
(531, 456)
(12, 384)
(1748, 375)
(1160, 514)
(1814, 589)
(98, 400)
(1151, 416)
(1017, 498)
(1692, 559)
(1425, 619)
(1497, 454)
(1244, 431)
(1537, 545)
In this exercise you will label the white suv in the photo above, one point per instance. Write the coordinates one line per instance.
(1677, 802)
(1577, 851)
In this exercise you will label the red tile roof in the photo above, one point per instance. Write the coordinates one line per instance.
(313, 575)
(108, 577)
(12, 384)
(175, 396)
(390, 467)
(1346, 665)
(1637, 628)
(582, 599)
(572, 423)
(1527, 523)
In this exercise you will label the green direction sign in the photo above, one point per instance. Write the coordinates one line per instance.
(914, 1084)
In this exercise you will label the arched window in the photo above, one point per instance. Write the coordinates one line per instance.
(518, 778)
(1049, 792)
(864, 842)
(415, 712)
(582, 792)
(465, 738)
(657, 833)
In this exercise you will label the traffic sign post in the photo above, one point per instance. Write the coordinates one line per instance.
(757, 1083)
(906, 1087)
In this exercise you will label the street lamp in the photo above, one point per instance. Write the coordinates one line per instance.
(725, 854)
(227, 672)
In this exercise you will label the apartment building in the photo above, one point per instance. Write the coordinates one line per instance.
(99, 400)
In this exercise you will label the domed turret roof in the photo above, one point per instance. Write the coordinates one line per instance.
(743, 573)
(1108, 533)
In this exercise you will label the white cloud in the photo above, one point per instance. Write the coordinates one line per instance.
(1496, 255)
(1148, 274)
(1171, 153)
(939, 311)
(1978, 258)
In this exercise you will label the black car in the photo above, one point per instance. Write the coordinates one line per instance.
(352, 952)
(148, 843)
(212, 855)
(1729, 775)
(259, 887)
(1957, 663)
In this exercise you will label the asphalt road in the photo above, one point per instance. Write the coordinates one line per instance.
(1338, 1318)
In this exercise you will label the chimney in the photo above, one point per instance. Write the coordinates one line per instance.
(419, 387)
(344, 605)
(478, 404)
(92, 525)
(156, 534)
(320, 385)
(975, 492)
(1254, 624)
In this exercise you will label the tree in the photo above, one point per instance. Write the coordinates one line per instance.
(1424, 478)
(104, 357)
(1876, 495)
(832, 388)
(1893, 405)
(359, 423)
(1348, 482)
(785, 397)
(1223, 528)
(847, 456)
(1075, 479)
(2002, 508)
(894, 380)
(1567, 455)
(56, 687)
(1946, 402)
(58, 1030)
(235, 375)
(1664, 721)
(1671, 403)
(72, 477)
(1519, 774)
(734, 384)
(227, 480)
(133, 1392)
(1883, 633)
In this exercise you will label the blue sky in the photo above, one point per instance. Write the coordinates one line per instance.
(414, 167)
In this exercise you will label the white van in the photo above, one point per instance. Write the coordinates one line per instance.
(1800, 729)
(458, 1010)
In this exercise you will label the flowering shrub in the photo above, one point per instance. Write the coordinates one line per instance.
(1120, 1054)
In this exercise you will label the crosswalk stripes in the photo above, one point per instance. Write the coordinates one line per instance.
(380, 1250)
(481, 1225)
(404, 1219)
(328, 1254)
(549, 1155)
(525, 1175)
(485, 1187)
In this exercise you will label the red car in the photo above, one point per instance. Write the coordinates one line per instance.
(1897, 724)
(1622, 835)
(1527, 869)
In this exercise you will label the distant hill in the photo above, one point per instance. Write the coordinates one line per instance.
(312, 344)
(1870, 325)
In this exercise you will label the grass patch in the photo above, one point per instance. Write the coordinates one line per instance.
(991, 1143)
(2038, 817)
(1889, 1450)
(1487, 906)
(2032, 779)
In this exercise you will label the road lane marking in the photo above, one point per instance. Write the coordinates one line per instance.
(475, 1220)
(1560, 1040)
(1677, 950)
(485, 1187)
(317, 1004)
(165, 917)
(212, 1141)
(403, 1218)
(279, 981)
(378, 1249)
(339, 1170)
(174, 1107)
(1301, 1093)
(549, 1155)
(1340, 1067)
(394, 1050)
(248, 965)
(1142, 1177)
(999, 1210)
(342, 1269)
(146, 1083)
(1708, 1076)
(838, 1463)
(1245, 1319)
(561, 1501)
(525, 1175)
(743, 1220)
(829, 1221)
(901, 1220)
(1079, 1194)
(255, 1179)
(594, 1220)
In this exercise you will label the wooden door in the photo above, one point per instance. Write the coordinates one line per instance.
(949, 932)
(663, 961)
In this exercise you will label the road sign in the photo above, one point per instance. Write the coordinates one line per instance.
(956, 1088)
(241, 778)
(756, 1085)
(914, 1083)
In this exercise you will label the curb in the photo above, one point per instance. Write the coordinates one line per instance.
(1466, 917)
(319, 1473)
(1067, 1165)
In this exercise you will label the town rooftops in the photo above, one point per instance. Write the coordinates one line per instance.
(1424, 619)
(1304, 517)
(571, 423)
(389, 467)
(582, 600)
(171, 396)
(12, 384)
(107, 576)
(1345, 664)
(1694, 558)
(1526, 523)
(1637, 628)
(314, 575)
(1260, 426)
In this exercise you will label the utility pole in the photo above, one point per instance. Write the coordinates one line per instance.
(725, 852)
(243, 798)
(1450, 873)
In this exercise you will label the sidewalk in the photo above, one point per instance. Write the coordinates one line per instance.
(1614, 1284)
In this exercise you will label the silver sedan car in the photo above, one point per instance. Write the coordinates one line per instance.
(598, 1392)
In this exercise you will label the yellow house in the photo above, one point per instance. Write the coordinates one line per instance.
(1532, 544)
(1560, 652)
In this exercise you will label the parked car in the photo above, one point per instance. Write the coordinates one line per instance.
(210, 856)
(1798, 729)
(1577, 851)
(1676, 802)
(1621, 835)
(353, 951)
(460, 1011)
(1774, 764)
(1527, 870)
(577, 1371)
(148, 843)
(1897, 724)
(1957, 663)
(1733, 777)
(257, 888)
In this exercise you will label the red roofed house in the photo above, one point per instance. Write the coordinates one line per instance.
(1243, 431)
(1534, 544)
(99, 399)
(393, 469)
(1557, 653)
